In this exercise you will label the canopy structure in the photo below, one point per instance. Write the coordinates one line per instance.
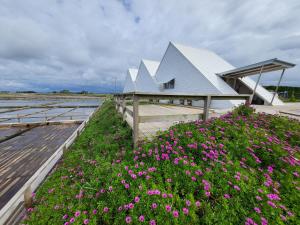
(258, 68)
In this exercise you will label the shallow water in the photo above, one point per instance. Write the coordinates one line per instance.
(7, 115)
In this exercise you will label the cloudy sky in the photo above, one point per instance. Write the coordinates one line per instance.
(88, 44)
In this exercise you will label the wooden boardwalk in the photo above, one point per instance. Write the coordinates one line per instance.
(22, 156)
(154, 117)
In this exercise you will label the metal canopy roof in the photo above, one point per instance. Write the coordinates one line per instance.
(256, 68)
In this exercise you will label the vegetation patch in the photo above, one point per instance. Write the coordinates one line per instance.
(242, 168)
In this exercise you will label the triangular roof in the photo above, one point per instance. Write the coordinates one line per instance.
(133, 73)
(151, 66)
(210, 64)
(129, 85)
(207, 63)
(145, 80)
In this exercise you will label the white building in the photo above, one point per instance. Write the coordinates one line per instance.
(130, 80)
(145, 80)
(185, 69)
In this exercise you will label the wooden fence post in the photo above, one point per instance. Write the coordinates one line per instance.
(135, 120)
(28, 198)
(124, 108)
(207, 101)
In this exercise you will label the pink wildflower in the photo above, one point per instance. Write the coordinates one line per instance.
(86, 221)
(197, 203)
(95, 211)
(227, 196)
(154, 206)
(272, 204)
(168, 208)
(256, 209)
(106, 209)
(136, 199)
(72, 220)
(128, 219)
(152, 222)
(77, 213)
(264, 221)
(141, 218)
(185, 211)
(175, 213)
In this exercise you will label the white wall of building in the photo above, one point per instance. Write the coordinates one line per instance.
(144, 81)
(129, 85)
(188, 78)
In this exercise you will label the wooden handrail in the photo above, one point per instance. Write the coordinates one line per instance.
(138, 96)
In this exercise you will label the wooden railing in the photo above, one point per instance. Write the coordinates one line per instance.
(136, 97)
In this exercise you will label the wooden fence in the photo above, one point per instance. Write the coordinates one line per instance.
(136, 97)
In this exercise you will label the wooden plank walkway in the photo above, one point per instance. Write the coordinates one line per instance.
(22, 156)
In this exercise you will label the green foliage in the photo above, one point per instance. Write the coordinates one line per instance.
(243, 110)
(219, 171)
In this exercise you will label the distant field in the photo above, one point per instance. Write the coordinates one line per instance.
(49, 95)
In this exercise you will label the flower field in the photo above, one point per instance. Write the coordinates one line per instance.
(242, 168)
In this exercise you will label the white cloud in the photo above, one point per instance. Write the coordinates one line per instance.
(48, 44)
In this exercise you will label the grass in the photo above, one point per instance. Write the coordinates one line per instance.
(242, 168)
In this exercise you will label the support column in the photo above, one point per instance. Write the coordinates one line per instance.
(207, 102)
(277, 86)
(254, 90)
(28, 198)
(124, 108)
(135, 120)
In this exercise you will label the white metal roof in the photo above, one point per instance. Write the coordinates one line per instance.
(263, 67)
(151, 66)
(133, 73)
(208, 63)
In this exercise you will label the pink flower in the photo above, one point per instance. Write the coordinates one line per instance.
(106, 209)
(152, 222)
(263, 221)
(185, 211)
(164, 195)
(131, 205)
(236, 187)
(65, 216)
(168, 208)
(188, 203)
(258, 198)
(86, 221)
(256, 209)
(72, 220)
(126, 186)
(95, 211)
(128, 219)
(207, 193)
(141, 218)
(197, 203)
(154, 206)
(272, 204)
(226, 196)
(77, 213)
(273, 197)
(175, 213)
(66, 223)
(136, 199)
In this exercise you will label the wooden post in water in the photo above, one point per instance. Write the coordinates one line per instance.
(207, 102)
(135, 120)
